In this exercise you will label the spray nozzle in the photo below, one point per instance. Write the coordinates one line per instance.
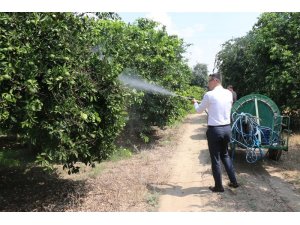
(190, 98)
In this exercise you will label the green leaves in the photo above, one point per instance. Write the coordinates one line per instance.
(59, 81)
(266, 60)
(32, 86)
(200, 74)
(8, 97)
(83, 116)
(35, 105)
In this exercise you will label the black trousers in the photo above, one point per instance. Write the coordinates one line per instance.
(218, 138)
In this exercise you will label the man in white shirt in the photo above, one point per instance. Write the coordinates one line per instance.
(218, 102)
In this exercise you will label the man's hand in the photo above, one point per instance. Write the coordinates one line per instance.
(194, 101)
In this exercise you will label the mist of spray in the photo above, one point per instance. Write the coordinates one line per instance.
(133, 81)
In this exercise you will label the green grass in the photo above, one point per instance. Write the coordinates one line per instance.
(152, 199)
(8, 159)
(88, 172)
(14, 158)
(13, 155)
(166, 141)
(121, 153)
(97, 170)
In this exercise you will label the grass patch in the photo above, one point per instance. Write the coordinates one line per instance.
(166, 141)
(97, 170)
(152, 199)
(8, 159)
(15, 158)
(121, 153)
(87, 171)
(13, 153)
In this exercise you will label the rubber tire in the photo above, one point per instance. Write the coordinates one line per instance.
(275, 154)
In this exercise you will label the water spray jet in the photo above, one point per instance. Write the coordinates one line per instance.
(130, 79)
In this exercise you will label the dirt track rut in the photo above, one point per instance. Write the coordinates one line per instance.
(263, 187)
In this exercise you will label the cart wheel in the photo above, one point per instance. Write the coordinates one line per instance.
(251, 156)
(275, 154)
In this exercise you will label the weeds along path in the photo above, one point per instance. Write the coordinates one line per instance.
(263, 184)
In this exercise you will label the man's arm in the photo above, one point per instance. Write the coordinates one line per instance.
(202, 106)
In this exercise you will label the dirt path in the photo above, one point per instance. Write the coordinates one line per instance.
(173, 174)
(263, 184)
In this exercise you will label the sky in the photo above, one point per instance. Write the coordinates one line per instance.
(206, 32)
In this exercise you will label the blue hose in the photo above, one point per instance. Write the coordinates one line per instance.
(247, 133)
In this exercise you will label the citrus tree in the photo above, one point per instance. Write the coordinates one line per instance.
(59, 86)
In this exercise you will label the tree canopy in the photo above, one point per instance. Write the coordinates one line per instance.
(266, 60)
(59, 87)
(199, 76)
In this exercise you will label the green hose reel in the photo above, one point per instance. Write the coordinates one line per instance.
(267, 115)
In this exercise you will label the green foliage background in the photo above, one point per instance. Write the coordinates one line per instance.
(266, 61)
(200, 73)
(59, 84)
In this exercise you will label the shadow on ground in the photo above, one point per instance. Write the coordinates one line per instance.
(260, 190)
(177, 190)
(23, 190)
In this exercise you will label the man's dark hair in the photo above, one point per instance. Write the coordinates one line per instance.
(215, 76)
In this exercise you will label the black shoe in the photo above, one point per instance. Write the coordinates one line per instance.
(233, 185)
(214, 189)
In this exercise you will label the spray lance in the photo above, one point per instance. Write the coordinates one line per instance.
(190, 98)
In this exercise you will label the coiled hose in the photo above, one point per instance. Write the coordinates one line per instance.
(247, 133)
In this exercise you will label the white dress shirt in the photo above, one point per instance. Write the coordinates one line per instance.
(218, 103)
